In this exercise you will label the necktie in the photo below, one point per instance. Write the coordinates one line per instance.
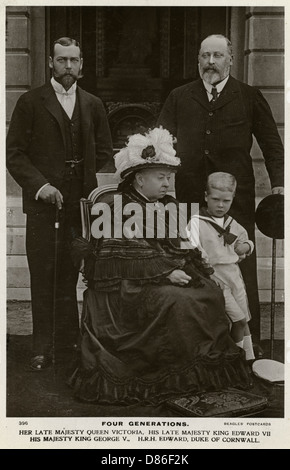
(229, 237)
(214, 94)
(67, 101)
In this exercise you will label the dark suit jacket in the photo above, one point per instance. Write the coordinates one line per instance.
(36, 142)
(219, 138)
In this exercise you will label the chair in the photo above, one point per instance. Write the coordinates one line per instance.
(101, 194)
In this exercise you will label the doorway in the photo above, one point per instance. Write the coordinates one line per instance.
(134, 56)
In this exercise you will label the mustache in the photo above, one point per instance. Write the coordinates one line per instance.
(208, 67)
(68, 74)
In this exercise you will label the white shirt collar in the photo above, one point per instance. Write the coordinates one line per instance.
(58, 88)
(220, 86)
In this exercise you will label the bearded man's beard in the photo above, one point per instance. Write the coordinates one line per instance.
(66, 79)
(210, 75)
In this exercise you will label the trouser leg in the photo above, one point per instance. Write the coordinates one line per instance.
(40, 255)
(70, 225)
(250, 275)
(67, 324)
(51, 298)
(249, 272)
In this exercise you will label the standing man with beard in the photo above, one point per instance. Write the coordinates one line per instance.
(58, 139)
(214, 119)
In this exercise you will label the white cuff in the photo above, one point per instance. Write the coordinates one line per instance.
(38, 192)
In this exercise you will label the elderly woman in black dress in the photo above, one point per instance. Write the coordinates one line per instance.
(153, 322)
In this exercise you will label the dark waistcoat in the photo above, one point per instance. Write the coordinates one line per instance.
(73, 135)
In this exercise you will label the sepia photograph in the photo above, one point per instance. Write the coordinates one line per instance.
(144, 185)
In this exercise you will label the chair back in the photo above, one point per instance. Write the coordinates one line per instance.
(101, 194)
(104, 193)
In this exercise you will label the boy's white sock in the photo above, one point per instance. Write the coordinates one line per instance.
(248, 347)
(241, 344)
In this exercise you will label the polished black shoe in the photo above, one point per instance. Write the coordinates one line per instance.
(40, 362)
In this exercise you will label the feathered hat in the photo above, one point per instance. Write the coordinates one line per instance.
(151, 150)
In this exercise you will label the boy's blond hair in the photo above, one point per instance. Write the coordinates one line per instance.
(222, 181)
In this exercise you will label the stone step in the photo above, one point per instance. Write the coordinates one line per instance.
(23, 294)
(14, 214)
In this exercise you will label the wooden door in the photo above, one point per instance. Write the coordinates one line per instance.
(134, 56)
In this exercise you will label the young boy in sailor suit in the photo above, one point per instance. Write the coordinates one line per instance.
(224, 243)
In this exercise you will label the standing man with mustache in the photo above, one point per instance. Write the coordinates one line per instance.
(58, 139)
(214, 119)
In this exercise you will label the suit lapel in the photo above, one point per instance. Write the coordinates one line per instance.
(52, 105)
(229, 93)
(198, 93)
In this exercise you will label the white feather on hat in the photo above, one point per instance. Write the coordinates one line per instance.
(153, 149)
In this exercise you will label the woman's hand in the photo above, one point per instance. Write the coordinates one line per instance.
(179, 277)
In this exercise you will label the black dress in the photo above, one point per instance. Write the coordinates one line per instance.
(144, 339)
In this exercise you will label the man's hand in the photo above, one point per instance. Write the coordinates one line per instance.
(51, 195)
(278, 190)
(179, 277)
